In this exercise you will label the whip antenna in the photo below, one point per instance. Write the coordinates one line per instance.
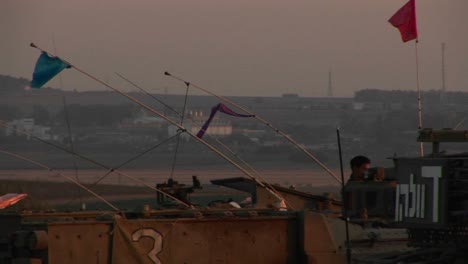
(263, 121)
(267, 185)
(58, 173)
(156, 113)
(96, 163)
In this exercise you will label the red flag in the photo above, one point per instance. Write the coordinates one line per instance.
(405, 20)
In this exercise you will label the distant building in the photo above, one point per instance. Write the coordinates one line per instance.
(43, 132)
(275, 141)
(143, 121)
(148, 120)
(27, 125)
(252, 132)
(358, 106)
(377, 106)
(290, 95)
(195, 121)
(4, 123)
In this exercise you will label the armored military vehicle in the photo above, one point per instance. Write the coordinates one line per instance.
(427, 196)
(413, 212)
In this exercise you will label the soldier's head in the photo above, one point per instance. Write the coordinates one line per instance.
(359, 166)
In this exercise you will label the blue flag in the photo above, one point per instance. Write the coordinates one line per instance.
(46, 68)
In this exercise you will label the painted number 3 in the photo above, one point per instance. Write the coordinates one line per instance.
(157, 247)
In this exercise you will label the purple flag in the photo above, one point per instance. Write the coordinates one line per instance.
(223, 109)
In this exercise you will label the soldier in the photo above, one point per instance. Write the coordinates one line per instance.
(359, 168)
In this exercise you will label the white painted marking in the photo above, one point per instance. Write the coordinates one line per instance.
(157, 246)
(434, 172)
(397, 204)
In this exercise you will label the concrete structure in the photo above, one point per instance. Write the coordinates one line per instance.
(27, 125)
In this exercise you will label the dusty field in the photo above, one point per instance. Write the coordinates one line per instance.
(49, 189)
(298, 177)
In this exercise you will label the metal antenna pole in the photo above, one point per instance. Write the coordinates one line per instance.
(267, 185)
(443, 68)
(330, 87)
(421, 146)
(66, 177)
(222, 155)
(263, 121)
(182, 116)
(343, 197)
(96, 163)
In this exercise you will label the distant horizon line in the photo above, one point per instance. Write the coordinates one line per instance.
(283, 95)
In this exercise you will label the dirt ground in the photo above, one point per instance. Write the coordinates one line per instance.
(298, 177)
(47, 189)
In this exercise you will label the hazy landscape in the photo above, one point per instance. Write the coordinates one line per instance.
(275, 59)
(107, 131)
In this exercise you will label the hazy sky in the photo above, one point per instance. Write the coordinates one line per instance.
(238, 47)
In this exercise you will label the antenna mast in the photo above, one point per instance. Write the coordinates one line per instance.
(443, 92)
(330, 88)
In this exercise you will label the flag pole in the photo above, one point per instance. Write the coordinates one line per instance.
(418, 84)
(222, 155)
(263, 121)
(405, 21)
(344, 199)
